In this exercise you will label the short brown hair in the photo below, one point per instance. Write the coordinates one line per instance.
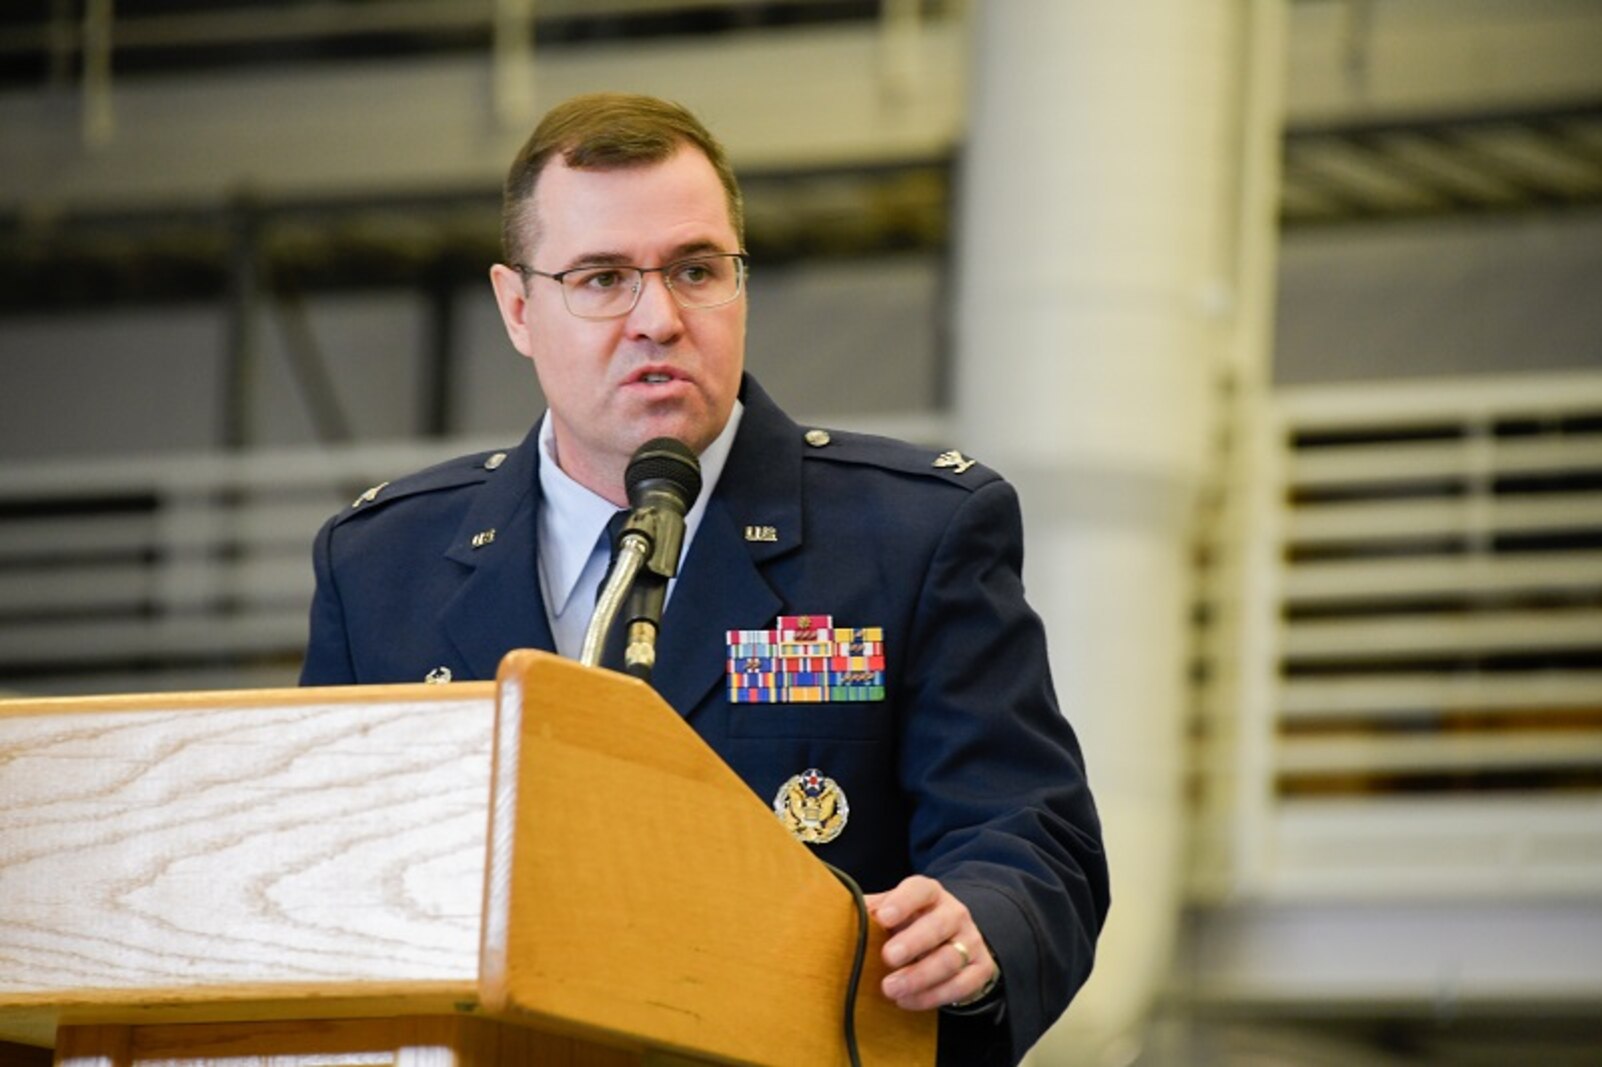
(606, 131)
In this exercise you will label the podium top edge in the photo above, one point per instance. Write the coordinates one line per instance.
(410, 693)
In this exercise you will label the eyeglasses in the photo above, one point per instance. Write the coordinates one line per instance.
(610, 292)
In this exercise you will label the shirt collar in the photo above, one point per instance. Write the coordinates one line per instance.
(572, 516)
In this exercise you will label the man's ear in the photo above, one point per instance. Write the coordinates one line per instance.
(512, 298)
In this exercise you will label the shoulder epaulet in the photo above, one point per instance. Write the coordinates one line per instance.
(888, 453)
(452, 474)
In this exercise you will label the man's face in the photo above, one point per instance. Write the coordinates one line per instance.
(659, 371)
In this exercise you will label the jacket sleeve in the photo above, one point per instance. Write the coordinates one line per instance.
(1003, 815)
(328, 659)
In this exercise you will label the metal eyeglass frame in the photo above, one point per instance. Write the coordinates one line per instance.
(742, 266)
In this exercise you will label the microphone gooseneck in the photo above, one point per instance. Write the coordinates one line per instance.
(663, 480)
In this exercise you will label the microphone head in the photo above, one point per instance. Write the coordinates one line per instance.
(663, 466)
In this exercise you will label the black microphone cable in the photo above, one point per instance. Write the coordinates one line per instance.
(859, 957)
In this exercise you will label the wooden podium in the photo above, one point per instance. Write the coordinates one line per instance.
(548, 869)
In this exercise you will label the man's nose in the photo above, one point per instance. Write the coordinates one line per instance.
(656, 314)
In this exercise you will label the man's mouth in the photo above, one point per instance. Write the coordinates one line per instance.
(655, 378)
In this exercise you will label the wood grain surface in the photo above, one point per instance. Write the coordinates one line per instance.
(394, 1042)
(240, 847)
(671, 904)
(303, 858)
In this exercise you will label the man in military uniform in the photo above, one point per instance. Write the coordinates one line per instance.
(916, 743)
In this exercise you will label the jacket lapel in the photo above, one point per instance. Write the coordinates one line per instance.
(500, 606)
(721, 586)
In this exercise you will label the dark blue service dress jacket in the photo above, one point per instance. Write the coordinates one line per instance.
(965, 770)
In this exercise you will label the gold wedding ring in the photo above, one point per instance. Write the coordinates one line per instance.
(962, 950)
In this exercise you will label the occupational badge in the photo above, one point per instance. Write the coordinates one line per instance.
(812, 807)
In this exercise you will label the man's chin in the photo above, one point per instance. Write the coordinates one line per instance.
(694, 431)
(695, 441)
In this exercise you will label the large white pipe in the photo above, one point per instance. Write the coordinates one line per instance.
(1099, 282)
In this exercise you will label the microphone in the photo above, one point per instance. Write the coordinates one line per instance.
(663, 479)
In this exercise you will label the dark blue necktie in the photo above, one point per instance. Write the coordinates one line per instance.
(612, 648)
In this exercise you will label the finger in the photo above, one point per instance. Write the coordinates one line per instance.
(925, 934)
(941, 917)
(914, 894)
(940, 978)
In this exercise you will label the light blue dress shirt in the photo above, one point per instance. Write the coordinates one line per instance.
(573, 554)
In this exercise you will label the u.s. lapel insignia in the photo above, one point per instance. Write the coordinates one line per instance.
(953, 461)
(812, 807)
(762, 533)
(806, 659)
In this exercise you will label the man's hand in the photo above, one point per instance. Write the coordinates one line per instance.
(936, 954)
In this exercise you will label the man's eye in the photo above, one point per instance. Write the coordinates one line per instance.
(693, 273)
(599, 279)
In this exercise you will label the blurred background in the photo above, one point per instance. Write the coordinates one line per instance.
(1284, 315)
